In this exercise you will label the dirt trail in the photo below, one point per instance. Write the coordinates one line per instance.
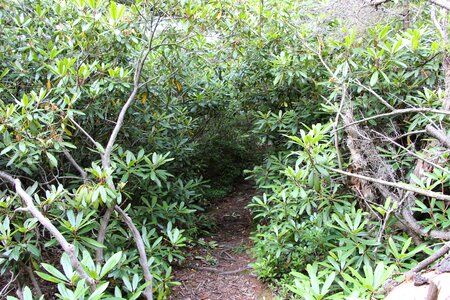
(219, 268)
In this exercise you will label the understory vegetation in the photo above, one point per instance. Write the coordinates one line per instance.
(120, 121)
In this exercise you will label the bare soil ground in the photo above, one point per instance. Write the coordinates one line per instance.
(219, 267)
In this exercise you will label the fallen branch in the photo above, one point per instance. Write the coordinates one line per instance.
(66, 246)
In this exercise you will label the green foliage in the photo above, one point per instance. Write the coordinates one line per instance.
(225, 86)
(313, 236)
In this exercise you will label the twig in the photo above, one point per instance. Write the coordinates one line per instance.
(442, 3)
(396, 112)
(436, 22)
(80, 170)
(4, 291)
(399, 185)
(96, 144)
(385, 103)
(409, 133)
(412, 153)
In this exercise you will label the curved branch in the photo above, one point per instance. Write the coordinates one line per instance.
(414, 225)
(65, 245)
(141, 249)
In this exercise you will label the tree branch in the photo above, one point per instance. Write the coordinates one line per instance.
(412, 153)
(439, 135)
(106, 157)
(96, 144)
(442, 3)
(66, 246)
(396, 112)
(431, 259)
(399, 185)
(80, 170)
(385, 103)
(436, 22)
(141, 249)
(102, 234)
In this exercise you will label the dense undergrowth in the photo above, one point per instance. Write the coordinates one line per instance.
(119, 122)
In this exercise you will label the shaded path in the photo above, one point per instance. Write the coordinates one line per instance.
(219, 268)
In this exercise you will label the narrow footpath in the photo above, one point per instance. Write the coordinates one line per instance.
(219, 267)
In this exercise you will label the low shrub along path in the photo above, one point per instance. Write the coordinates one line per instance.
(219, 267)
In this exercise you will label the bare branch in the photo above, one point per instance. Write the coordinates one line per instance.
(102, 234)
(107, 154)
(397, 112)
(85, 133)
(66, 246)
(399, 185)
(436, 22)
(442, 3)
(438, 134)
(385, 103)
(80, 170)
(431, 259)
(141, 249)
(412, 153)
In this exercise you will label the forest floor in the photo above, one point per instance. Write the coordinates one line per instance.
(218, 268)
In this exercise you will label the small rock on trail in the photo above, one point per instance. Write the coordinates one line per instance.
(219, 269)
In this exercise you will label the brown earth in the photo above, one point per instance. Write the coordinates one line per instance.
(219, 267)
